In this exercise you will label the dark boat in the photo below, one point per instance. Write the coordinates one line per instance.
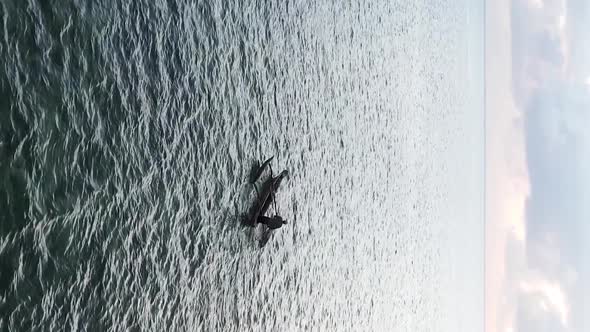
(266, 196)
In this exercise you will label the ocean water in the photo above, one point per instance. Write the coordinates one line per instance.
(128, 131)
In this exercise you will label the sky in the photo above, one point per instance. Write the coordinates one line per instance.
(537, 154)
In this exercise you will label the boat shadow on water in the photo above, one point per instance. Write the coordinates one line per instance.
(260, 185)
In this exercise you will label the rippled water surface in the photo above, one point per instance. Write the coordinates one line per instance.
(128, 130)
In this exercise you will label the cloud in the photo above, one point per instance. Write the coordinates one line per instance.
(534, 316)
(558, 154)
(558, 157)
(539, 45)
(546, 270)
